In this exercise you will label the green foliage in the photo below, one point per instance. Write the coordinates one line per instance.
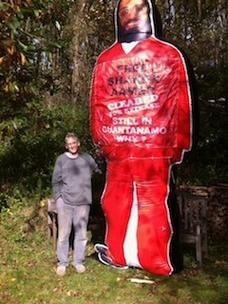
(30, 41)
(31, 141)
(48, 50)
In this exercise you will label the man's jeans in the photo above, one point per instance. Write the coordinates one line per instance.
(78, 216)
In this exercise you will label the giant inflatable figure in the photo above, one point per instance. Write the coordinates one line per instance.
(141, 120)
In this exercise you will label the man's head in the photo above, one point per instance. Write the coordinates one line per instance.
(72, 143)
(133, 14)
(133, 20)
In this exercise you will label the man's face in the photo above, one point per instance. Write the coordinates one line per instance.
(133, 14)
(72, 145)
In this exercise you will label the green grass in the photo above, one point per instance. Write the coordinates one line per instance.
(27, 272)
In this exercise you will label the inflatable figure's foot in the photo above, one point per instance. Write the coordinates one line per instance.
(103, 257)
(108, 261)
(101, 248)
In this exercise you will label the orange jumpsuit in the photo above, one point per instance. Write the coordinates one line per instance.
(141, 119)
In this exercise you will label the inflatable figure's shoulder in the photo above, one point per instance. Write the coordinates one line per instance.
(164, 47)
(114, 51)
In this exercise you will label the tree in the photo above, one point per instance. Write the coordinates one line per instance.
(92, 30)
(49, 47)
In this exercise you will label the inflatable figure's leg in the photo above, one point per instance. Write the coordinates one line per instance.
(116, 203)
(154, 225)
(139, 225)
(176, 254)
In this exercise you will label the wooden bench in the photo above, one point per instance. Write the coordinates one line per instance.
(53, 225)
(52, 222)
(193, 203)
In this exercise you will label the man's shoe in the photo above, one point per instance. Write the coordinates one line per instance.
(80, 268)
(108, 261)
(61, 270)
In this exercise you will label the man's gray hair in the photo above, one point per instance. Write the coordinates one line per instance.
(71, 135)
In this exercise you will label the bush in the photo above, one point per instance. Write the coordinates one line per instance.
(32, 139)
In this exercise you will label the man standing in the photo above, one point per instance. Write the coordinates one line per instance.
(71, 182)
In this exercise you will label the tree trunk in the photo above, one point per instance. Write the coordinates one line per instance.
(79, 37)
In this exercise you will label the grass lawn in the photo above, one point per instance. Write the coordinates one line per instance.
(27, 273)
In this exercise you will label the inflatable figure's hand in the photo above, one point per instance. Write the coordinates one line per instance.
(177, 156)
(99, 152)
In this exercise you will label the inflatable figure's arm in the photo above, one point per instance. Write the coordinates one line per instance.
(184, 117)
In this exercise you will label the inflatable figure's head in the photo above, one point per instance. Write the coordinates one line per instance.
(134, 20)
